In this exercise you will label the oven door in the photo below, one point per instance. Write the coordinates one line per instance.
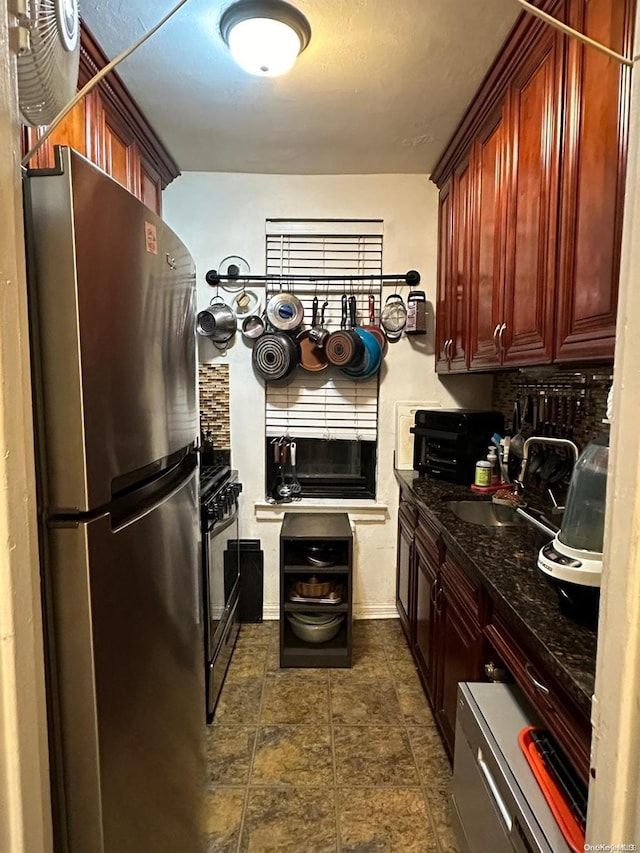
(220, 587)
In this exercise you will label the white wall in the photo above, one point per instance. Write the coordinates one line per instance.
(224, 214)
(25, 820)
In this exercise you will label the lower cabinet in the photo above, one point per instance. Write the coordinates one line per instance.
(426, 612)
(460, 644)
(405, 568)
(455, 637)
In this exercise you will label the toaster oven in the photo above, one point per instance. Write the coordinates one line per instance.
(449, 442)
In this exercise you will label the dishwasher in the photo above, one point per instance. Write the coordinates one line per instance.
(497, 804)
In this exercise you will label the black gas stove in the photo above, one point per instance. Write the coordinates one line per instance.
(219, 490)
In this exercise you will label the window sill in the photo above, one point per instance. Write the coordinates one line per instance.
(363, 511)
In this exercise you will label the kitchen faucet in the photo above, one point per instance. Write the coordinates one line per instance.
(542, 439)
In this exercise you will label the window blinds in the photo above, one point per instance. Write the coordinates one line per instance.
(326, 404)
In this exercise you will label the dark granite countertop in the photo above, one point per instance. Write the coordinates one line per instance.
(504, 561)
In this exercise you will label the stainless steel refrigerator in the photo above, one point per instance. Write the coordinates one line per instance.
(112, 293)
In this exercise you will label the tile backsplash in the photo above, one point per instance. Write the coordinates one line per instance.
(589, 385)
(214, 404)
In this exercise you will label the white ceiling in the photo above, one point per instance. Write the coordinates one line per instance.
(380, 88)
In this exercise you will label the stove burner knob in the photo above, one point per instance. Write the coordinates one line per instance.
(213, 511)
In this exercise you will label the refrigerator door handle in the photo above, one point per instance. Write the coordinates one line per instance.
(160, 497)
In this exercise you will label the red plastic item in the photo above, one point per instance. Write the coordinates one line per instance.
(573, 834)
(488, 490)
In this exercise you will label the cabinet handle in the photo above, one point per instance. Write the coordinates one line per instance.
(535, 682)
(450, 348)
(500, 336)
(495, 336)
(438, 594)
(432, 595)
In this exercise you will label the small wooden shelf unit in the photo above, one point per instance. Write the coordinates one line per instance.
(300, 531)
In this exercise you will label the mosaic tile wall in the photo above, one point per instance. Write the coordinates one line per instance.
(589, 385)
(214, 404)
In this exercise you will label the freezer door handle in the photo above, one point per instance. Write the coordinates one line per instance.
(160, 492)
(493, 788)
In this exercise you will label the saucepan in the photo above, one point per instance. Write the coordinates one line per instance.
(252, 327)
(312, 356)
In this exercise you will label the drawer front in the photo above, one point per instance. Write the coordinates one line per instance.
(460, 589)
(566, 723)
(429, 538)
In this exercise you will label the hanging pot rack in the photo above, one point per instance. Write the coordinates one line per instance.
(412, 278)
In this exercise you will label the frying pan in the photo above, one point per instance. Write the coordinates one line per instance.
(371, 360)
(312, 357)
(344, 348)
(371, 326)
(275, 356)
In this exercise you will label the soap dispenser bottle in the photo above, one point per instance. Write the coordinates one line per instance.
(492, 458)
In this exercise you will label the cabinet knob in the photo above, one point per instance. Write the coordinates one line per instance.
(495, 673)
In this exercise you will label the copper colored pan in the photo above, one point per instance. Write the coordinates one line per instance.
(375, 330)
(312, 357)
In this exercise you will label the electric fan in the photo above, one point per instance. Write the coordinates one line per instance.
(48, 71)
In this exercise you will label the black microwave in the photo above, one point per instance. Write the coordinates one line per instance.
(447, 443)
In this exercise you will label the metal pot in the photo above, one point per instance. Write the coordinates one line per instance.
(217, 322)
(252, 327)
(319, 334)
(275, 356)
(285, 312)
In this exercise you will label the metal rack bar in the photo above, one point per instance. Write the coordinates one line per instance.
(412, 278)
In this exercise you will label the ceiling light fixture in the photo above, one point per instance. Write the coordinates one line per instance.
(265, 36)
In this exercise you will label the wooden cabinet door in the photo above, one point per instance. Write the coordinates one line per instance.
(489, 174)
(74, 131)
(530, 279)
(426, 592)
(594, 167)
(460, 282)
(445, 276)
(120, 158)
(405, 579)
(459, 642)
(150, 187)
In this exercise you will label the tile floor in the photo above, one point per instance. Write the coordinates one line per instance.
(318, 760)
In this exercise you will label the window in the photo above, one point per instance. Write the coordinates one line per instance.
(334, 419)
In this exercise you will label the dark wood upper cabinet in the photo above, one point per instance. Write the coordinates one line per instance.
(454, 276)
(594, 168)
(488, 235)
(108, 127)
(543, 146)
(534, 134)
(445, 278)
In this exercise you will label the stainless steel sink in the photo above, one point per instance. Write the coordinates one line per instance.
(486, 513)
